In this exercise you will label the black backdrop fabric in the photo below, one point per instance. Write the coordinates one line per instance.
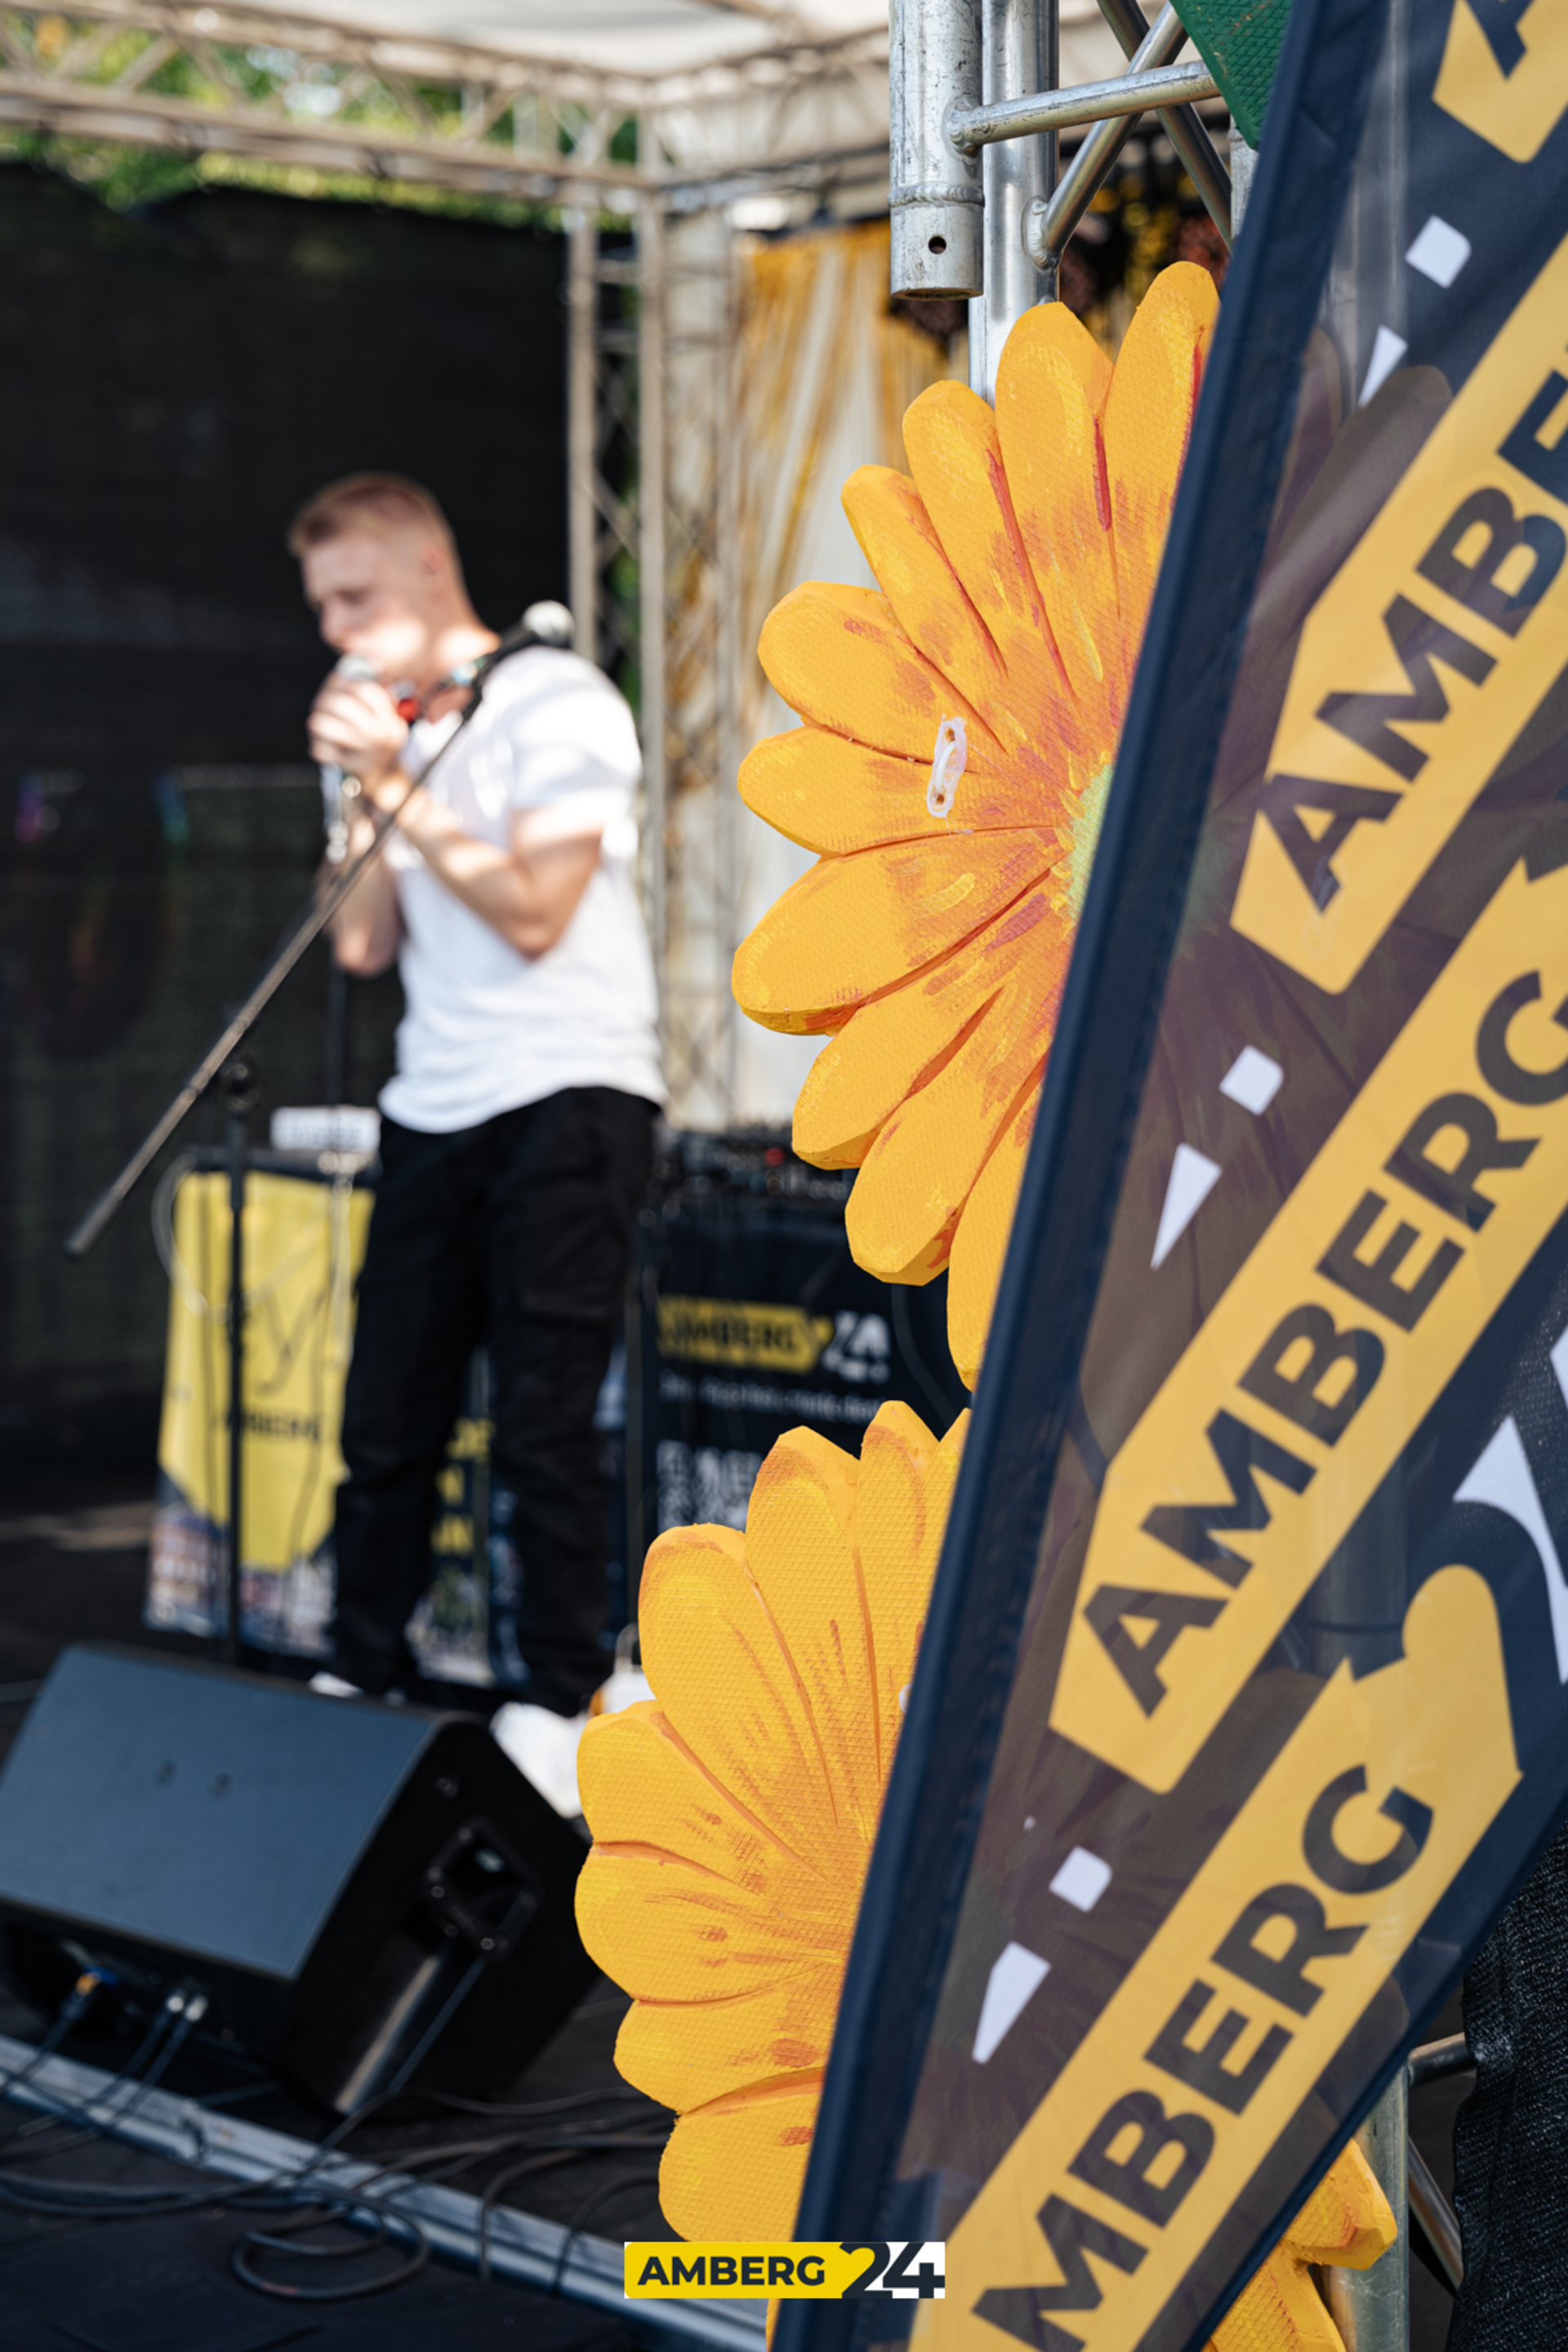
(172, 384)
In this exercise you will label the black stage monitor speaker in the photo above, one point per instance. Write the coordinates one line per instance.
(367, 1895)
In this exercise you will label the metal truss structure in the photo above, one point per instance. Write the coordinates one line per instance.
(656, 393)
(293, 88)
(654, 456)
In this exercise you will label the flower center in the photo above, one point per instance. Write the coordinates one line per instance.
(1085, 824)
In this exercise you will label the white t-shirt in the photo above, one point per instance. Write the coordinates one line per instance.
(486, 1029)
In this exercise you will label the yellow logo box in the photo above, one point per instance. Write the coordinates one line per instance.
(740, 1332)
(810, 2271)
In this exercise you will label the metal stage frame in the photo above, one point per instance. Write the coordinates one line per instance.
(665, 159)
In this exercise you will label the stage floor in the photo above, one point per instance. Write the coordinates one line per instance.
(165, 2286)
(72, 1566)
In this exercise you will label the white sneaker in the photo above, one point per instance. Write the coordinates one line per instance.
(543, 1747)
(334, 1686)
(627, 1683)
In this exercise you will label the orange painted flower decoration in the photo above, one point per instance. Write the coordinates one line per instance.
(1346, 2220)
(732, 1818)
(960, 729)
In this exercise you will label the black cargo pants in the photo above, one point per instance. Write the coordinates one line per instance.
(514, 1232)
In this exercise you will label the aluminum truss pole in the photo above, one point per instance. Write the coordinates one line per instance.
(1372, 2308)
(935, 194)
(1180, 124)
(1047, 225)
(730, 661)
(939, 128)
(1019, 51)
(651, 560)
(582, 422)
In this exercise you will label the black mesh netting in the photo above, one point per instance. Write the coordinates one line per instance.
(1511, 2143)
(172, 385)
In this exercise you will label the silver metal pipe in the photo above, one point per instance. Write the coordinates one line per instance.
(1371, 2308)
(1047, 226)
(1435, 2060)
(651, 568)
(1180, 124)
(1019, 55)
(934, 193)
(732, 672)
(581, 406)
(1437, 2219)
(1091, 101)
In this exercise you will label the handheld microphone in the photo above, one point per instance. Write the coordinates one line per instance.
(547, 624)
(338, 788)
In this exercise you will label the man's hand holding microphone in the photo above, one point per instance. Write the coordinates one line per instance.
(358, 733)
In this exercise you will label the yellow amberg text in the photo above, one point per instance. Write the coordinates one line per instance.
(1334, 1339)
(1200, 2062)
(1422, 661)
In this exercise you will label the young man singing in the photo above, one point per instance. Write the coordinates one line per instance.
(516, 1132)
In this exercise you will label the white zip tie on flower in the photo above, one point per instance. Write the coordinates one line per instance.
(948, 764)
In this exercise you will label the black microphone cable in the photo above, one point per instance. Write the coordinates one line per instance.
(90, 1982)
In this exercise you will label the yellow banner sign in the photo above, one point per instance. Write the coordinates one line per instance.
(1507, 81)
(1346, 1323)
(1423, 661)
(1166, 2110)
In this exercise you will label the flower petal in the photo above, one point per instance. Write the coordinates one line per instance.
(838, 656)
(855, 926)
(887, 1049)
(906, 1486)
(713, 1654)
(833, 796)
(1051, 388)
(915, 1179)
(667, 1930)
(640, 1785)
(981, 1242)
(899, 542)
(1346, 2220)
(733, 2168)
(909, 1196)
(800, 1547)
(1148, 417)
(830, 794)
(951, 436)
(1279, 2310)
(684, 2054)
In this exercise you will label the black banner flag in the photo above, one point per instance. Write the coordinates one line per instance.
(1242, 1703)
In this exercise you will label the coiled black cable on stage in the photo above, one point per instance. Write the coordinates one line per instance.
(545, 2139)
(285, 2240)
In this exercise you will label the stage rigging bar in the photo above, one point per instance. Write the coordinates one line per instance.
(973, 128)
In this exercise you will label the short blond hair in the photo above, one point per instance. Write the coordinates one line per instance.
(388, 505)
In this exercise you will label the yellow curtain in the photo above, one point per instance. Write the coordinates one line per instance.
(819, 341)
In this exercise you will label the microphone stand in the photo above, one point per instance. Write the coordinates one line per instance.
(236, 1073)
(238, 1081)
